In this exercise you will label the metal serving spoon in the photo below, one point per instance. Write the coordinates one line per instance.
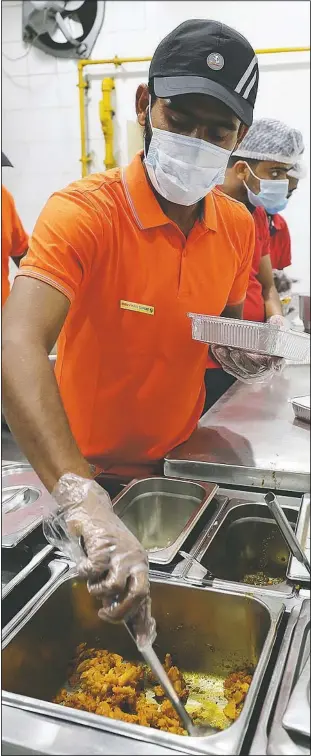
(158, 670)
(285, 528)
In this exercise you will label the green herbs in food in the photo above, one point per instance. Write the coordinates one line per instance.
(261, 579)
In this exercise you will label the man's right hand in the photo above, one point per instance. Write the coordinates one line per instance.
(112, 559)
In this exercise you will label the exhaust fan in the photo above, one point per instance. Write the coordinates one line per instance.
(63, 29)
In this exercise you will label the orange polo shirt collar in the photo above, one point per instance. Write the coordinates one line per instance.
(144, 204)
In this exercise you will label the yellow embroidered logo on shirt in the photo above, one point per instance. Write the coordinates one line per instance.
(147, 309)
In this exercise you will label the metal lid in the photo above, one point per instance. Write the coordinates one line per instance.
(23, 498)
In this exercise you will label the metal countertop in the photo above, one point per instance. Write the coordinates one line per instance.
(250, 437)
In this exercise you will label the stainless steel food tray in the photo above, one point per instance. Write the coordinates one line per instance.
(262, 338)
(297, 571)
(280, 740)
(40, 581)
(17, 576)
(8, 465)
(20, 518)
(301, 407)
(244, 539)
(161, 512)
(260, 740)
(297, 714)
(219, 632)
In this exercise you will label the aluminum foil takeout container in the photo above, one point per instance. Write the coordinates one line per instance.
(260, 338)
(301, 407)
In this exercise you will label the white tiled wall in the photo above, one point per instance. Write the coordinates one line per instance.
(40, 96)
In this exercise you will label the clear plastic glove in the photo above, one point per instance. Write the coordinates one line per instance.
(278, 320)
(247, 366)
(112, 560)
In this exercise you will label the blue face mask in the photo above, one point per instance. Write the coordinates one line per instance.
(272, 194)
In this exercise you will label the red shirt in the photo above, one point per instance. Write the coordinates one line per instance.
(280, 245)
(254, 308)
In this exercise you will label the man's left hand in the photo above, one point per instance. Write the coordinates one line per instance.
(247, 366)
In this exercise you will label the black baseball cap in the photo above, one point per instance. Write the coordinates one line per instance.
(207, 57)
(5, 161)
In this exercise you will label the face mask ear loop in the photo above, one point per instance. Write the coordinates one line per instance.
(256, 177)
(148, 111)
(252, 172)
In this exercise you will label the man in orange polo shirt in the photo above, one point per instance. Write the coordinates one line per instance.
(14, 240)
(115, 263)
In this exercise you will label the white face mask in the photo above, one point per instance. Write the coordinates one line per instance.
(272, 194)
(184, 169)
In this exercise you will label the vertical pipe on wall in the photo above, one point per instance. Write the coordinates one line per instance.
(106, 114)
(83, 87)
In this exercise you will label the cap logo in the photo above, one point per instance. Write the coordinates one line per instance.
(215, 61)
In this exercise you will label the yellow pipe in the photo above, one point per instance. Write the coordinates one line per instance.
(119, 61)
(85, 158)
(106, 114)
(113, 61)
(272, 50)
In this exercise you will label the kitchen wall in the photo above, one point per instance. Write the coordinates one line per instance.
(40, 123)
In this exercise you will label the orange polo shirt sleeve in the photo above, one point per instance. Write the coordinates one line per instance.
(64, 242)
(14, 240)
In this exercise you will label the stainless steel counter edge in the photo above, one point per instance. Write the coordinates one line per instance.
(24, 732)
(30, 567)
(237, 475)
(57, 568)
